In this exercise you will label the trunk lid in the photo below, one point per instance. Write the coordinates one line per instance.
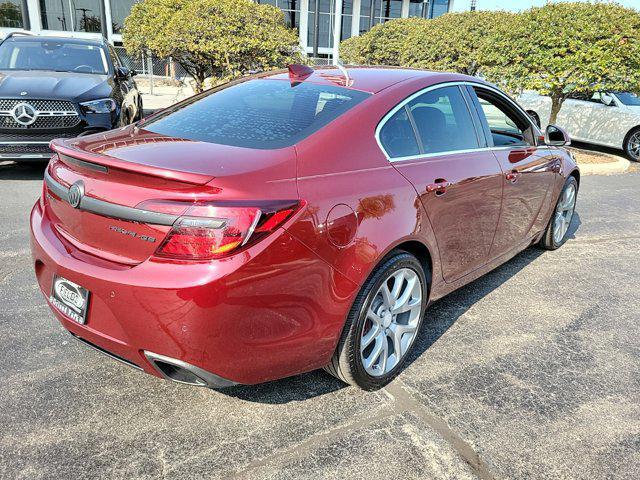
(120, 170)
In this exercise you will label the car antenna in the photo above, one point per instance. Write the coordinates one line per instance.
(347, 79)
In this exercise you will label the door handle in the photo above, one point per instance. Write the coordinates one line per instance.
(513, 176)
(439, 186)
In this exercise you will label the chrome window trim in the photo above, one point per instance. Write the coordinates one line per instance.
(437, 86)
(108, 209)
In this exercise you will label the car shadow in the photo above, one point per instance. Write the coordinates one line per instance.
(22, 171)
(441, 315)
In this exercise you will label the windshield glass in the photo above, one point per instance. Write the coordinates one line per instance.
(628, 98)
(52, 55)
(261, 114)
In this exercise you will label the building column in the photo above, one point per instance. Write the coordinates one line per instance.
(33, 10)
(304, 24)
(337, 31)
(405, 9)
(355, 23)
(108, 27)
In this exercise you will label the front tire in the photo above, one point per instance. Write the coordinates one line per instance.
(556, 233)
(383, 323)
(632, 145)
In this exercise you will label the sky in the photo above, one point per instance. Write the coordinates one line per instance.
(516, 5)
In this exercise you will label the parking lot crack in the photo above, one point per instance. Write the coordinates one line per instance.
(405, 402)
(302, 449)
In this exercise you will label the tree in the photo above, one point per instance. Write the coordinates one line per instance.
(10, 15)
(219, 38)
(456, 42)
(384, 44)
(565, 48)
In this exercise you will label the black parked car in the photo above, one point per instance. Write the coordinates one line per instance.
(53, 87)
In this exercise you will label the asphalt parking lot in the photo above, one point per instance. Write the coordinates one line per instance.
(532, 371)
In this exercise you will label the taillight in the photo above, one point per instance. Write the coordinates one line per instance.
(207, 231)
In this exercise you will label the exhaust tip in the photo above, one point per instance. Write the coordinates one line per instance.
(185, 373)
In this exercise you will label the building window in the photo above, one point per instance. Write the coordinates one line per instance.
(438, 8)
(291, 9)
(418, 8)
(120, 9)
(383, 10)
(325, 19)
(388, 10)
(13, 14)
(72, 16)
(347, 19)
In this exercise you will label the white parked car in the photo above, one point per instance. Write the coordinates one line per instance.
(611, 119)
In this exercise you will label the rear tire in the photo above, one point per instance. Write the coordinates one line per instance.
(556, 233)
(632, 145)
(384, 319)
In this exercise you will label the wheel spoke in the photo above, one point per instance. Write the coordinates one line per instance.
(370, 336)
(408, 306)
(384, 355)
(571, 195)
(387, 297)
(372, 358)
(398, 281)
(374, 317)
(406, 295)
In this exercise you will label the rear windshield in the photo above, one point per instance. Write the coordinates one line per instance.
(262, 114)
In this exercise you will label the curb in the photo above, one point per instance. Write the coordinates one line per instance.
(621, 165)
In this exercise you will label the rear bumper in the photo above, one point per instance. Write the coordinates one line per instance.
(272, 311)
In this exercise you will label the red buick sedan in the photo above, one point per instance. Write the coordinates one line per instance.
(293, 220)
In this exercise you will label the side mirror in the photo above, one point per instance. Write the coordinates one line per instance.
(556, 137)
(123, 73)
(607, 100)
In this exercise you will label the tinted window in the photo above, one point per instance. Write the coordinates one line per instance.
(52, 55)
(257, 114)
(628, 98)
(443, 121)
(397, 136)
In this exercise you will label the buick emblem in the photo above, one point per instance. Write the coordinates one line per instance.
(24, 114)
(22, 94)
(76, 192)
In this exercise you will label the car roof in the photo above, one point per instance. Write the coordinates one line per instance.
(368, 79)
(54, 38)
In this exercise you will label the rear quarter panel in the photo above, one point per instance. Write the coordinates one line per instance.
(342, 165)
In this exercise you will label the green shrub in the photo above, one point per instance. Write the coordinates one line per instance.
(219, 38)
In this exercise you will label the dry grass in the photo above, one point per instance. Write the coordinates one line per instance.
(591, 157)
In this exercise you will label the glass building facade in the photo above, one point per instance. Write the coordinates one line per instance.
(13, 14)
(328, 20)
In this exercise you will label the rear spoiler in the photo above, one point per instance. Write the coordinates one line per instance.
(63, 148)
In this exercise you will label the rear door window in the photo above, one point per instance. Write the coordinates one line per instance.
(398, 137)
(261, 114)
(443, 121)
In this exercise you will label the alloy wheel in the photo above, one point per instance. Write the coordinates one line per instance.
(564, 213)
(633, 146)
(392, 322)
